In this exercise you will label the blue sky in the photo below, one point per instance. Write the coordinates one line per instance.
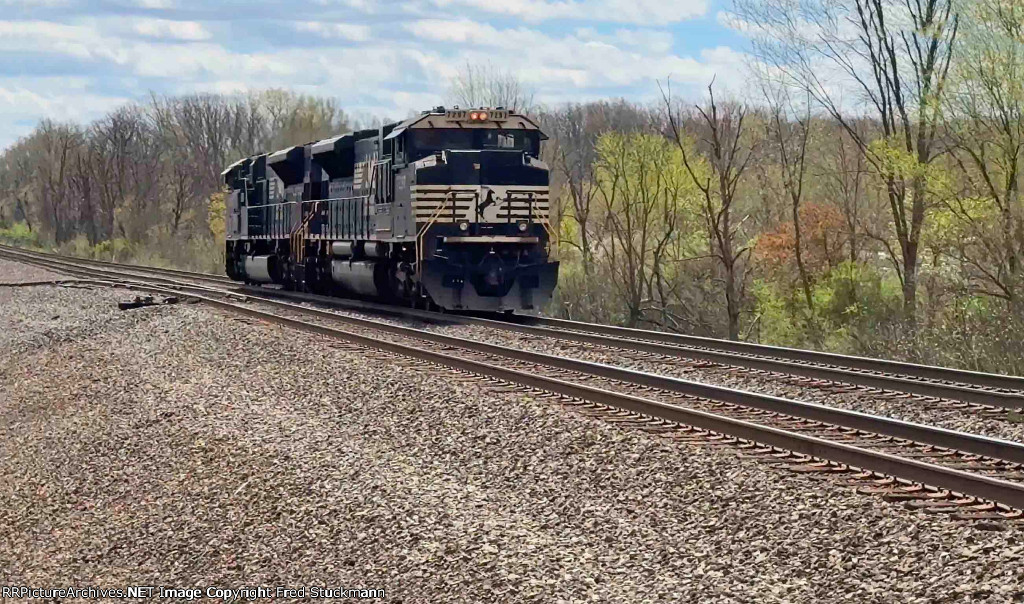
(77, 59)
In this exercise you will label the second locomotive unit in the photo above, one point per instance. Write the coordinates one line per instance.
(448, 208)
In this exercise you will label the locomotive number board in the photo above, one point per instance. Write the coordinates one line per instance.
(477, 115)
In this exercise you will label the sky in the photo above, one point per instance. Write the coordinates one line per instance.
(77, 59)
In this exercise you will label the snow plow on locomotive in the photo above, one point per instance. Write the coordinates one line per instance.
(448, 208)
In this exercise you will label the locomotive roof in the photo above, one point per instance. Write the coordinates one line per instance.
(234, 165)
(441, 118)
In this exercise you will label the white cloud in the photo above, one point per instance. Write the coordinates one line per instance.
(579, 60)
(78, 41)
(26, 3)
(584, 59)
(346, 31)
(120, 57)
(167, 29)
(650, 12)
(646, 40)
(823, 55)
(733, 21)
(416, 101)
(365, 6)
(156, 4)
(465, 31)
(56, 99)
(221, 87)
(27, 99)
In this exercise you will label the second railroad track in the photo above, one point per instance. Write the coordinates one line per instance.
(940, 469)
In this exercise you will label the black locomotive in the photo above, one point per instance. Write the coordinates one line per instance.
(449, 208)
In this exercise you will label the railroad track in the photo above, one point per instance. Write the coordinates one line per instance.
(975, 391)
(971, 476)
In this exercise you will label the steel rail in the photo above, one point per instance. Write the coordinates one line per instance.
(883, 381)
(957, 481)
(928, 372)
(118, 271)
(120, 265)
(1007, 400)
(896, 376)
(985, 487)
(930, 435)
(924, 434)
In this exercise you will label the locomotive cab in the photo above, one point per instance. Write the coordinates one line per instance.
(479, 193)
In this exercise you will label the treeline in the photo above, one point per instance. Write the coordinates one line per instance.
(138, 183)
(863, 196)
(890, 226)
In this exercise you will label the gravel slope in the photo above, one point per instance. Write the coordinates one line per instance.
(178, 446)
(865, 401)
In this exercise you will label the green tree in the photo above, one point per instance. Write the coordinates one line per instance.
(987, 127)
(648, 204)
(898, 55)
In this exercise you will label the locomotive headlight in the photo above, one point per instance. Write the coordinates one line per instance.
(523, 226)
(463, 226)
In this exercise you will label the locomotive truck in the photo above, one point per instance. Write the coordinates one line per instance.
(447, 209)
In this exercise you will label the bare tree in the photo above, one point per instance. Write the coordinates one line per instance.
(728, 150)
(841, 170)
(639, 197)
(53, 148)
(125, 158)
(298, 119)
(16, 182)
(488, 86)
(789, 136)
(574, 131)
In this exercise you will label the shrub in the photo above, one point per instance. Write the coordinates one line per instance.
(20, 235)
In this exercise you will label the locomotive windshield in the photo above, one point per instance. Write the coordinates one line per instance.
(424, 142)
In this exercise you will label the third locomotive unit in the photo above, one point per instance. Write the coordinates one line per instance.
(449, 208)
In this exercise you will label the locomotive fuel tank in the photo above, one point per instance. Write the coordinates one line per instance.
(262, 269)
(361, 277)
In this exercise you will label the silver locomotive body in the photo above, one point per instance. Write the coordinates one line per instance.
(450, 208)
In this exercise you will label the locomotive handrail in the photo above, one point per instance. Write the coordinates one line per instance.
(272, 205)
(513, 195)
(284, 203)
(383, 163)
(301, 230)
(298, 249)
(419, 235)
(544, 221)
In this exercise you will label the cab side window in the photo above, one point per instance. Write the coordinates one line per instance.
(399, 150)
